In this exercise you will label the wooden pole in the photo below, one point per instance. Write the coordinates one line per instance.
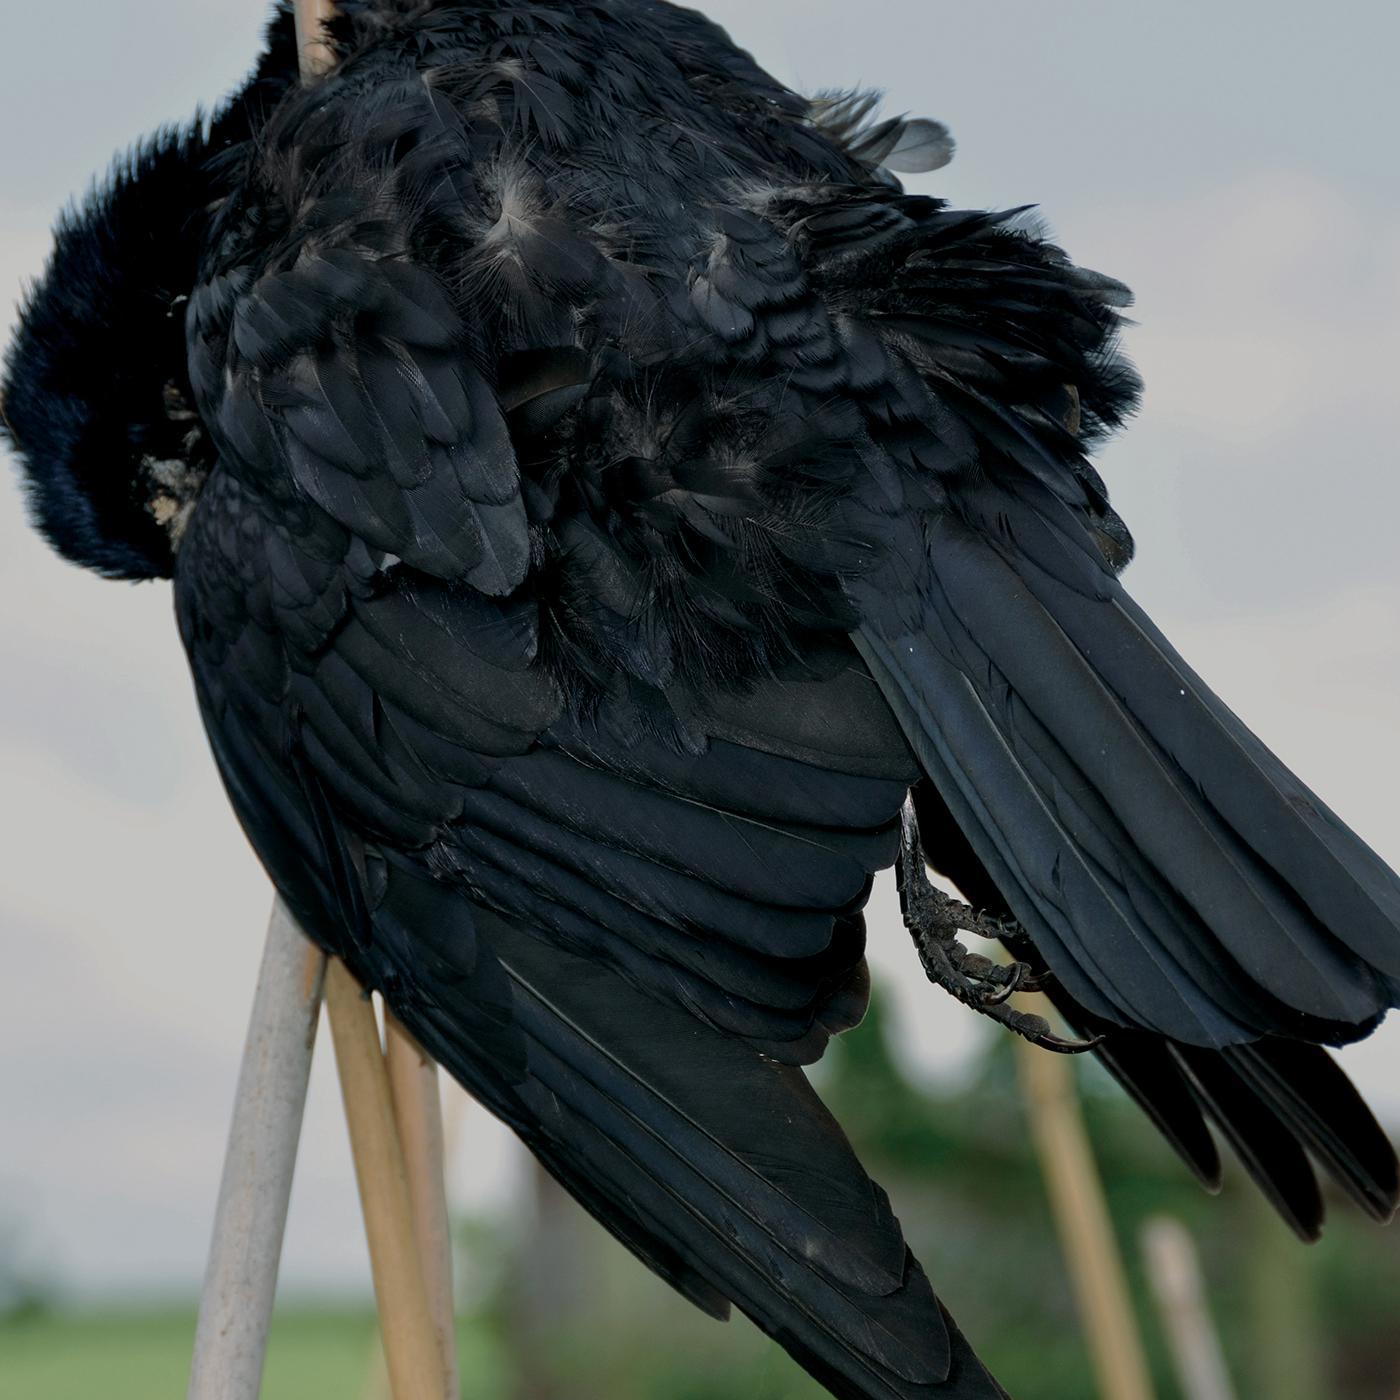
(240, 1282)
(314, 54)
(413, 1082)
(1174, 1267)
(1081, 1216)
(410, 1339)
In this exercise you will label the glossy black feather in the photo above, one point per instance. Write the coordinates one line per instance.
(609, 494)
(1312, 1095)
(1250, 1092)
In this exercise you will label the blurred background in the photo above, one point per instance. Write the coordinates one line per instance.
(1236, 166)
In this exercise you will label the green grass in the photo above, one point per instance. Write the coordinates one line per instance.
(146, 1355)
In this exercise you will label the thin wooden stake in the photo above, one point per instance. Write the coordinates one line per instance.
(413, 1082)
(314, 53)
(1081, 1215)
(240, 1283)
(1174, 1266)
(410, 1339)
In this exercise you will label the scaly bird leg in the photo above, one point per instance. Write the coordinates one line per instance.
(935, 920)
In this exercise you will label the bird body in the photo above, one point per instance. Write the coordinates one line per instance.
(596, 496)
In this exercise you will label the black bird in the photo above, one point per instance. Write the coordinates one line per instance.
(597, 497)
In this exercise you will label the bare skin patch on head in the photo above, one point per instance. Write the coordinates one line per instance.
(174, 483)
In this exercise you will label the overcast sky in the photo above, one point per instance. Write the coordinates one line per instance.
(1235, 164)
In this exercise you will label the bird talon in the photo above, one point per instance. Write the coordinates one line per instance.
(1000, 995)
(1062, 1045)
(935, 920)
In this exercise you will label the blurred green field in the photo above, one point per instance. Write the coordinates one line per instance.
(314, 1352)
(145, 1355)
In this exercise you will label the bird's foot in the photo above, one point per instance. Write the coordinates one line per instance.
(934, 919)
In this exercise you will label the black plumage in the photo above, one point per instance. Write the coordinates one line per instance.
(596, 495)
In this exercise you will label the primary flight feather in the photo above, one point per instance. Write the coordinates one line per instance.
(598, 499)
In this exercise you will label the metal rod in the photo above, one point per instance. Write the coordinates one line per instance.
(410, 1339)
(240, 1283)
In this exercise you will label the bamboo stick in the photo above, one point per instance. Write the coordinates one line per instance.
(1081, 1216)
(413, 1083)
(1174, 1266)
(314, 53)
(418, 1113)
(410, 1339)
(240, 1282)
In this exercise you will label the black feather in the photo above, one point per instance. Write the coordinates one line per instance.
(600, 493)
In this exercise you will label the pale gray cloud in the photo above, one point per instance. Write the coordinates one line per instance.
(1226, 160)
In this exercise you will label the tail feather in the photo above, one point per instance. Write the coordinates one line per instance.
(1145, 1066)
(1312, 1095)
(1270, 1152)
(1272, 1100)
(1338, 878)
(1175, 875)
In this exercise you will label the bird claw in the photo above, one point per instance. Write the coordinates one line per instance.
(1037, 1030)
(934, 919)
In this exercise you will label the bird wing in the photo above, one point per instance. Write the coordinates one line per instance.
(1170, 870)
(621, 944)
